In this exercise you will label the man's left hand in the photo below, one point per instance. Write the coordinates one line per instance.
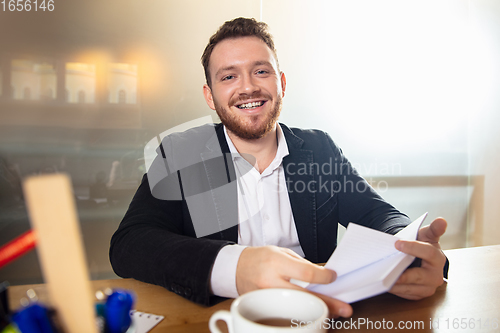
(420, 282)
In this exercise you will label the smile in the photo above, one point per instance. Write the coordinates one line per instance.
(251, 105)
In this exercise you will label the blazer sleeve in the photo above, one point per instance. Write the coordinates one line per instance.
(155, 243)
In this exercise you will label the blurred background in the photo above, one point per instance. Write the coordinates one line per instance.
(408, 89)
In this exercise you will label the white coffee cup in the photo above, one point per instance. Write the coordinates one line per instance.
(303, 310)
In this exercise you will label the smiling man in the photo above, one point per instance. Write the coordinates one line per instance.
(287, 190)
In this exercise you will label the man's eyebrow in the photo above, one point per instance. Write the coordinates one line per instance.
(224, 69)
(260, 63)
(229, 68)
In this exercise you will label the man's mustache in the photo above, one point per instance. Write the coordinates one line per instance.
(246, 97)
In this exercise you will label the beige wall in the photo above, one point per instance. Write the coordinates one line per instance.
(484, 115)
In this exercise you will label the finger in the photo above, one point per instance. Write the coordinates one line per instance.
(306, 271)
(412, 276)
(412, 291)
(292, 253)
(425, 251)
(433, 232)
(301, 269)
(418, 275)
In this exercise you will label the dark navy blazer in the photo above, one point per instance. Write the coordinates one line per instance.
(157, 243)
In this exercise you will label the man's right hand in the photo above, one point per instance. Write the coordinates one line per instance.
(273, 267)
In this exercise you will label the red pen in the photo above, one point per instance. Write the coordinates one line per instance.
(17, 247)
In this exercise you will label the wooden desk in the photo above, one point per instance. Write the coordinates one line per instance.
(472, 293)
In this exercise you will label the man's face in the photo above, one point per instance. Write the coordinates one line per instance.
(247, 88)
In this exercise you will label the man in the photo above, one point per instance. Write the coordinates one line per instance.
(285, 191)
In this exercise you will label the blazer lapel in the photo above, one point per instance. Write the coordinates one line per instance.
(221, 178)
(301, 191)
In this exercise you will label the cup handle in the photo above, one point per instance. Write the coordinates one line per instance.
(220, 315)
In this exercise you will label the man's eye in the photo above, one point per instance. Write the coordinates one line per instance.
(262, 71)
(227, 77)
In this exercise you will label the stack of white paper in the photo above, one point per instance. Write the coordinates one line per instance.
(366, 262)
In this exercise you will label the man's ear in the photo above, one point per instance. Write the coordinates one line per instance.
(209, 98)
(283, 84)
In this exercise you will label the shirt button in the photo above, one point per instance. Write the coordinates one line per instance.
(266, 217)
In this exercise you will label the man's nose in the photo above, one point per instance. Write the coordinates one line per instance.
(248, 85)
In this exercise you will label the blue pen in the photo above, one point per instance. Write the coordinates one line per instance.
(33, 319)
(118, 306)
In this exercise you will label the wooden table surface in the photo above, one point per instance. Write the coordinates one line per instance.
(470, 299)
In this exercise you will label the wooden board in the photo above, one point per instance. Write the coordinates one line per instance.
(60, 249)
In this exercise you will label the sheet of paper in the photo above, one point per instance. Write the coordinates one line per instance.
(367, 262)
(411, 230)
(144, 322)
(362, 246)
(356, 286)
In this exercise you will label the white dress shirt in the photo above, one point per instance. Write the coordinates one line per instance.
(264, 215)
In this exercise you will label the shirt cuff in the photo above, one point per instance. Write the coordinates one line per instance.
(223, 278)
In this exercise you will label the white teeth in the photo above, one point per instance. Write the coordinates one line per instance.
(250, 105)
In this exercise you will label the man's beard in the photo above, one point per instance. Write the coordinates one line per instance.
(244, 127)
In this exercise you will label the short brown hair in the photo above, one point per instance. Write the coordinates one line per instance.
(239, 27)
